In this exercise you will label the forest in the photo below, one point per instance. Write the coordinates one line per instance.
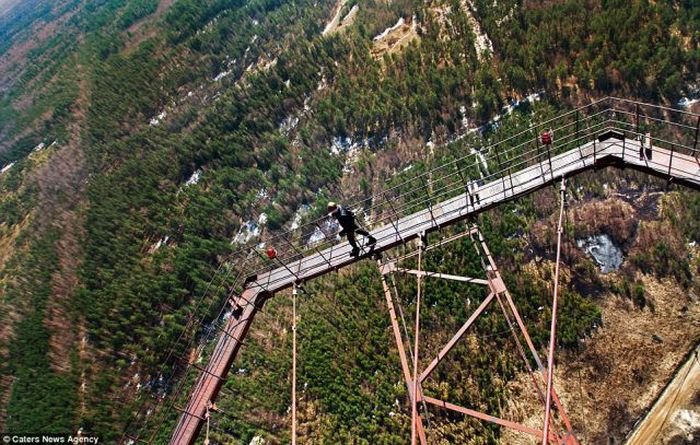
(178, 125)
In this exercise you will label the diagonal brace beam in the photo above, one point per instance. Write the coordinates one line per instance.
(470, 412)
(448, 347)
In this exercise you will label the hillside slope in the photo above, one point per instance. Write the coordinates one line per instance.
(142, 141)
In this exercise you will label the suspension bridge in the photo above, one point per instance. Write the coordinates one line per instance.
(614, 132)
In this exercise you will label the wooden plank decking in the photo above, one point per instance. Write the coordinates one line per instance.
(664, 163)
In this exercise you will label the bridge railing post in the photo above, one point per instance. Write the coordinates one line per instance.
(465, 183)
(595, 150)
(670, 159)
(549, 157)
(695, 144)
(577, 136)
(394, 214)
(500, 169)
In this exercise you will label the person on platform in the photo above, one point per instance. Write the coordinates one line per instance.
(346, 219)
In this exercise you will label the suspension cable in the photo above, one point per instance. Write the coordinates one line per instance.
(414, 389)
(553, 328)
(294, 364)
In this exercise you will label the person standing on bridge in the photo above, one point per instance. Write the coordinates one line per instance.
(473, 189)
(346, 219)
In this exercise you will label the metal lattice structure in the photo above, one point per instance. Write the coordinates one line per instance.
(497, 292)
(611, 132)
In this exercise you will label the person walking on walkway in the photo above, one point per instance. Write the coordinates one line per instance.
(346, 219)
(474, 193)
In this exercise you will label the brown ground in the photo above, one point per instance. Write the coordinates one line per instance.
(675, 417)
(624, 366)
(396, 40)
(145, 28)
(61, 182)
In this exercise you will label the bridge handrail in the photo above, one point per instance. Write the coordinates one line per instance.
(379, 199)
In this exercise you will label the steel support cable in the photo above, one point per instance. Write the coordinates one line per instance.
(511, 328)
(521, 349)
(294, 365)
(577, 110)
(178, 392)
(184, 378)
(414, 415)
(379, 195)
(553, 328)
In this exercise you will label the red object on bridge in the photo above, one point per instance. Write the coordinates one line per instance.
(271, 253)
(546, 137)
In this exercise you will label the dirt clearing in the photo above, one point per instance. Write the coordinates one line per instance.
(394, 39)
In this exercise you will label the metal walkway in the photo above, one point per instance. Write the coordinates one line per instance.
(612, 132)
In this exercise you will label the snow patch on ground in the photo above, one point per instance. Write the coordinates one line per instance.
(322, 84)
(194, 179)
(686, 102)
(262, 65)
(326, 229)
(299, 215)
(221, 75)
(688, 422)
(262, 195)
(387, 31)
(465, 121)
(350, 17)
(505, 111)
(484, 166)
(7, 167)
(251, 229)
(603, 250)
(333, 24)
(158, 119)
(482, 44)
(692, 98)
(161, 242)
(395, 38)
(289, 124)
(351, 149)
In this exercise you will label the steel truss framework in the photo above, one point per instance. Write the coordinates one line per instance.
(498, 293)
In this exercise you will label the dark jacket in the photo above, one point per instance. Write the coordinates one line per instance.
(346, 219)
